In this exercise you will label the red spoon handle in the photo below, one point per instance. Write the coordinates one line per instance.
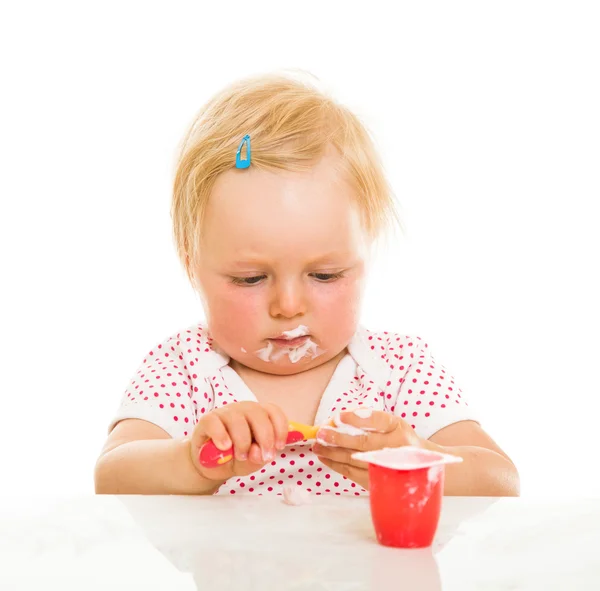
(211, 456)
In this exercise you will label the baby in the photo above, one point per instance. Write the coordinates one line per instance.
(279, 198)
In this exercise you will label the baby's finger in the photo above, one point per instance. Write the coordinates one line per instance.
(239, 433)
(358, 475)
(263, 431)
(211, 427)
(280, 424)
(255, 455)
(338, 454)
(368, 419)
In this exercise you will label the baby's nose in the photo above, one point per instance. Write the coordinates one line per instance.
(288, 301)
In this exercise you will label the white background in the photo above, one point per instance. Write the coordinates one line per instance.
(487, 118)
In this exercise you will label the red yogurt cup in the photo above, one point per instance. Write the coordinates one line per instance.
(406, 485)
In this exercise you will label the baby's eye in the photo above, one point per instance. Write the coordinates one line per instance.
(247, 280)
(328, 276)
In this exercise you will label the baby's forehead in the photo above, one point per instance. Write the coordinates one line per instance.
(322, 191)
(327, 175)
(280, 248)
(284, 214)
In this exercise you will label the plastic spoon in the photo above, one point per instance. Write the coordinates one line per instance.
(211, 456)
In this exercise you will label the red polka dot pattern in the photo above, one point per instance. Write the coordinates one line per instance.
(181, 379)
(420, 388)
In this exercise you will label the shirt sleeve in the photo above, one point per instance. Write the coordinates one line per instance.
(166, 390)
(428, 397)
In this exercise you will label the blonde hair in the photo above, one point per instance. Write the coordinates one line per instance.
(290, 123)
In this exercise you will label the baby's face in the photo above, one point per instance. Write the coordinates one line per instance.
(282, 250)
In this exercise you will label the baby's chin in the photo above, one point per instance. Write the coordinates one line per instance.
(283, 365)
(282, 368)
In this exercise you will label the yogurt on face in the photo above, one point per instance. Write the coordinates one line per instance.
(297, 332)
(275, 351)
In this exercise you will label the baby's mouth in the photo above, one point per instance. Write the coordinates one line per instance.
(296, 342)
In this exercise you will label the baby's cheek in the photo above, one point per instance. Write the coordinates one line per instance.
(235, 318)
(338, 309)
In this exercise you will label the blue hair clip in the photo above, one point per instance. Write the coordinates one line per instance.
(239, 163)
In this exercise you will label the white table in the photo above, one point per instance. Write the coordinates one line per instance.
(255, 543)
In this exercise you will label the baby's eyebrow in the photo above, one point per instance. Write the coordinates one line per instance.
(249, 262)
(330, 257)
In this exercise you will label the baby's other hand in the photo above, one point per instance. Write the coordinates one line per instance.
(361, 430)
(256, 431)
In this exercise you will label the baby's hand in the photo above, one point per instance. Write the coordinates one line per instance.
(256, 431)
(361, 430)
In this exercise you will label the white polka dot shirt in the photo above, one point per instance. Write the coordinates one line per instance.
(184, 377)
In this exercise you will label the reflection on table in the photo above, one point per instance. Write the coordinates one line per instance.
(214, 543)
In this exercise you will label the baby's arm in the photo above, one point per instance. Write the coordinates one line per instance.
(142, 458)
(486, 470)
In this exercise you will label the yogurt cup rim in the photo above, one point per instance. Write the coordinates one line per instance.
(400, 463)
